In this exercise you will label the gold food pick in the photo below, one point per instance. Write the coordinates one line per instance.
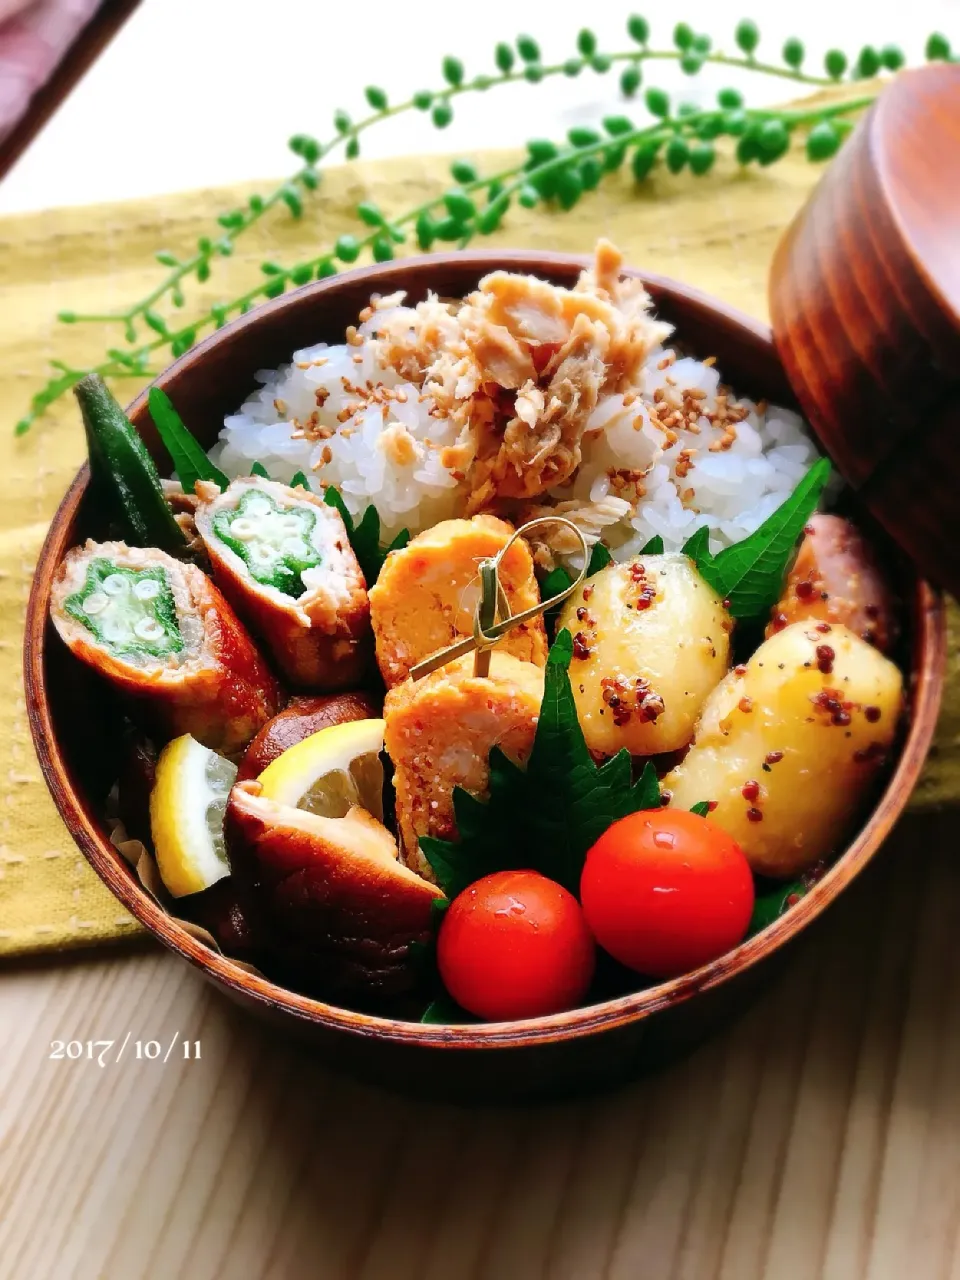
(493, 618)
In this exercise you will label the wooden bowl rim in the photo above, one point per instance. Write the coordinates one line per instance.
(929, 640)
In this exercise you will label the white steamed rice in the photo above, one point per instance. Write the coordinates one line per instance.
(733, 490)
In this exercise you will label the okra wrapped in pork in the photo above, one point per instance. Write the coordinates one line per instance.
(164, 636)
(283, 559)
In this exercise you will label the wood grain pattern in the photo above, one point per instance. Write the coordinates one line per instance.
(817, 1137)
(551, 1056)
(865, 303)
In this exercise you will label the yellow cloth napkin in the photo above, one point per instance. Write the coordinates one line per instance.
(717, 233)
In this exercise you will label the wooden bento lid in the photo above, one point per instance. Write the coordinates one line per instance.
(865, 304)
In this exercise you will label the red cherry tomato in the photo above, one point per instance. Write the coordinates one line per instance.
(665, 891)
(515, 945)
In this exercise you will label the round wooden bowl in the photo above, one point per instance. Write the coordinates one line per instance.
(865, 301)
(587, 1048)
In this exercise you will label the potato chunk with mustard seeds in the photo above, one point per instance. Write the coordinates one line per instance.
(650, 641)
(439, 732)
(427, 594)
(789, 744)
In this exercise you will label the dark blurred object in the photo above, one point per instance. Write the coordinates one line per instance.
(91, 40)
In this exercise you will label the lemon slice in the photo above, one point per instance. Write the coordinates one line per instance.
(331, 771)
(187, 804)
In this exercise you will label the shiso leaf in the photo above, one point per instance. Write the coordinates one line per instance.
(258, 469)
(189, 459)
(365, 536)
(559, 578)
(443, 1010)
(547, 816)
(300, 481)
(654, 547)
(749, 575)
(701, 808)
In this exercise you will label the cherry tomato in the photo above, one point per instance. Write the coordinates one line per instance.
(665, 891)
(515, 945)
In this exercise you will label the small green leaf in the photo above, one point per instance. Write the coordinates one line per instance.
(442, 115)
(445, 1012)
(376, 97)
(299, 481)
(347, 248)
(937, 48)
(591, 173)
(491, 216)
(382, 249)
(587, 42)
(189, 459)
(459, 205)
(579, 136)
(426, 231)
(658, 103)
(292, 200)
(683, 35)
(155, 321)
(638, 28)
(654, 547)
(823, 141)
(463, 171)
(697, 547)
(794, 53)
(258, 469)
(642, 161)
(369, 213)
(747, 36)
(749, 575)
(868, 63)
(677, 154)
(365, 536)
(423, 100)
(835, 63)
(503, 56)
(452, 70)
(569, 188)
(600, 557)
(730, 99)
(341, 121)
(528, 48)
(398, 543)
(702, 156)
(701, 808)
(630, 80)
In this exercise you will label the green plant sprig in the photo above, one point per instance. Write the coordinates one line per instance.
(560, 177)
(550, 173)
(691, 50)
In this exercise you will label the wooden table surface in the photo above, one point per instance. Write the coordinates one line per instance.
(819, 1136)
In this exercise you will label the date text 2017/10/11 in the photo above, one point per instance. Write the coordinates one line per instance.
(113, 1051)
